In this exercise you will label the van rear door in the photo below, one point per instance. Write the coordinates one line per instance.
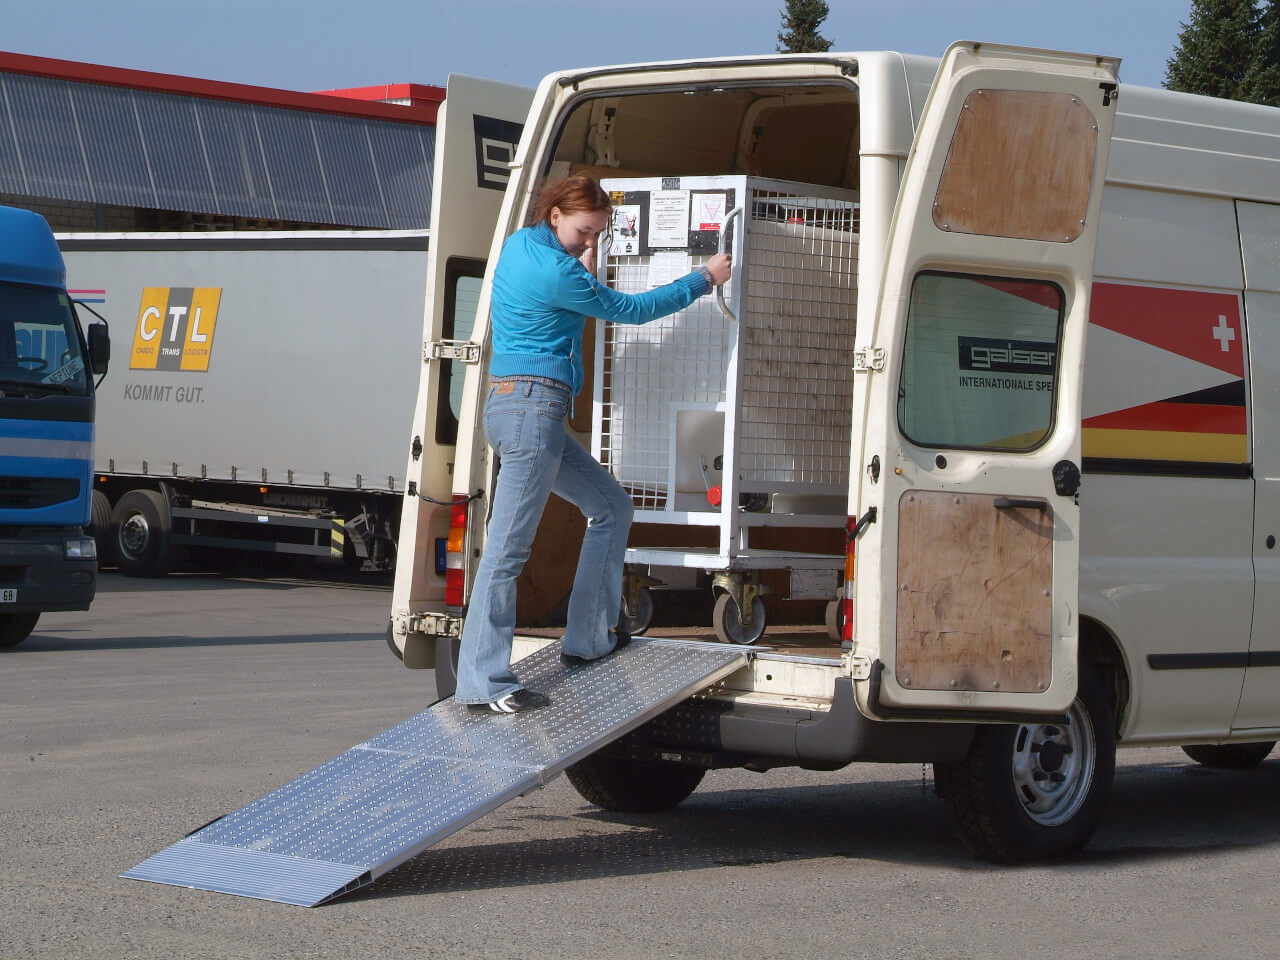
(477, 133)
(968, 392)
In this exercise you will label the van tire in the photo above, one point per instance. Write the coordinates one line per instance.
(633, 786)
(993, 789)
(143, 534)
(1229, 756)
(100, 528)
(16, 627)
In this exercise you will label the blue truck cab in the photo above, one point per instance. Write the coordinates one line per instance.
(47, 561)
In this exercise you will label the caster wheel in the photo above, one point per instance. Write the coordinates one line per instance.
(637, 621)
(729, 628)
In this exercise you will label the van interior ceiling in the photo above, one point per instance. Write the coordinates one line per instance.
(803, 133)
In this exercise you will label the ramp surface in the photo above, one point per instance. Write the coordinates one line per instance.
(367, 810)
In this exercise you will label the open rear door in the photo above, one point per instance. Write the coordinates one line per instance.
(477, 134)
(969, 392)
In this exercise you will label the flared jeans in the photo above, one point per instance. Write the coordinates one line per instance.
(525, 424)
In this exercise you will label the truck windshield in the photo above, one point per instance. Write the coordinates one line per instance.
(39, 342)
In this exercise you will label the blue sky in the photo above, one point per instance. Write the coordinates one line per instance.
(324, 44)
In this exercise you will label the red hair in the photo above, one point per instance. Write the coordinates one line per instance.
(571, 195)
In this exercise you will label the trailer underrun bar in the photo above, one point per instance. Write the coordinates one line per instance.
(352, 819)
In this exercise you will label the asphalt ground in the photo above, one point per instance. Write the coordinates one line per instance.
(172, 702)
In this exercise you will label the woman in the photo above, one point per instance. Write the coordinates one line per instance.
(544, 288)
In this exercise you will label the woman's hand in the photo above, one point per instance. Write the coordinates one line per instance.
(719, 267)
(588, 260)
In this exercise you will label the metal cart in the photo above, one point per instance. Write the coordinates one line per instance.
(734, 413)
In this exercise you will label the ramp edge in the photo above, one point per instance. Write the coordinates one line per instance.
(250, 873)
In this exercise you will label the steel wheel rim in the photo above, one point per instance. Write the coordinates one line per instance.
(134, 533)
(1053, 766)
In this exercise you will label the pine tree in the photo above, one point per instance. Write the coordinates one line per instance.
(800, 22)
(1262, 79)
(1217, 48)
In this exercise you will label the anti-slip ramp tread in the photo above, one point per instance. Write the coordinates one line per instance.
(353, 818)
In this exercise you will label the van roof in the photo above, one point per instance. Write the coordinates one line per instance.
(28, 252)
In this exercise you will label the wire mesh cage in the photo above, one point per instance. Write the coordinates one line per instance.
(695, 400)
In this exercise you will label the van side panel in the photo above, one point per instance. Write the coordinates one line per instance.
(1260, 246)
(1167, 518)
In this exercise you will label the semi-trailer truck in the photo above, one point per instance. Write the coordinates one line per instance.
(47, 562)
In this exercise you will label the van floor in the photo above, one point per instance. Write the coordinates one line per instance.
(785, 640)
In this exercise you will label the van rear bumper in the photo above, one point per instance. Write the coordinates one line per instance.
(45, 580)
(761, 737)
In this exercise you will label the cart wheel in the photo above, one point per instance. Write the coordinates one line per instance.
(835, 620)
(637, 621)
(727, 626)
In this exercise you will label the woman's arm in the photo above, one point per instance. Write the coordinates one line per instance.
(582, 293)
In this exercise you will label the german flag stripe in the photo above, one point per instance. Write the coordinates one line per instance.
(1165, 445)
(1175, 417)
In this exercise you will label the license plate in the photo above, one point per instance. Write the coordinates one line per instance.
(8, 596)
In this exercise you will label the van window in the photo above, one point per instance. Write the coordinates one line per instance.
(463, 279)
(980, 364)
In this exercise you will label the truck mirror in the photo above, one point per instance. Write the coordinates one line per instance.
(99, 348)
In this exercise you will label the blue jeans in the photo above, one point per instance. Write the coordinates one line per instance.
(525, 424)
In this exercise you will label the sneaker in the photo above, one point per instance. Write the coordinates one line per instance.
(621, 639)
(516, 702)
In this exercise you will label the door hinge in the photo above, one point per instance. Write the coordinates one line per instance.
(436, 624)
(463, 350)
(859, 666)
(868, 359)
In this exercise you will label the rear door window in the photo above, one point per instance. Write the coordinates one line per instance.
(980, 364)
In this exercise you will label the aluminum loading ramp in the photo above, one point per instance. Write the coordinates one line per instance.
(352, 819)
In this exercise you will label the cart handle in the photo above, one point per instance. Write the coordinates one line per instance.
(724, 233)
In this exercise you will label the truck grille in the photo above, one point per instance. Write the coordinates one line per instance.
(27, 493)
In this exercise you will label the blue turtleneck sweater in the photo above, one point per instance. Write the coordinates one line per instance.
(541, 296)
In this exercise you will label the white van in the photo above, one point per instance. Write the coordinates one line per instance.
(1007, 619)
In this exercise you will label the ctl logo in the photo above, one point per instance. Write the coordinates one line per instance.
(175, 328)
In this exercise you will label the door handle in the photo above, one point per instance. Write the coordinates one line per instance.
(1016, 503)
(724, 235)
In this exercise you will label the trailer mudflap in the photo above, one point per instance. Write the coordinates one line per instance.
(352, 819)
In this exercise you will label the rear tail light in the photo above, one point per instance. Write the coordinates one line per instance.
(454, 562)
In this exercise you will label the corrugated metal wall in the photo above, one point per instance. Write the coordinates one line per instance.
(113, 145)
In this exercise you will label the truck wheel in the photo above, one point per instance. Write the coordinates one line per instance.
(1229, 756)
(16, 627)
(1035, 791)
(143, 540)
(633, 786)
(100, 528)
(724, 620)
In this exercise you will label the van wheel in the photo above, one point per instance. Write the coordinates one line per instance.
(1229, 756)
(724, 620)
(16, 627)
(100, 528)
(143, 540)
(633, 786)
(1035, 791)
